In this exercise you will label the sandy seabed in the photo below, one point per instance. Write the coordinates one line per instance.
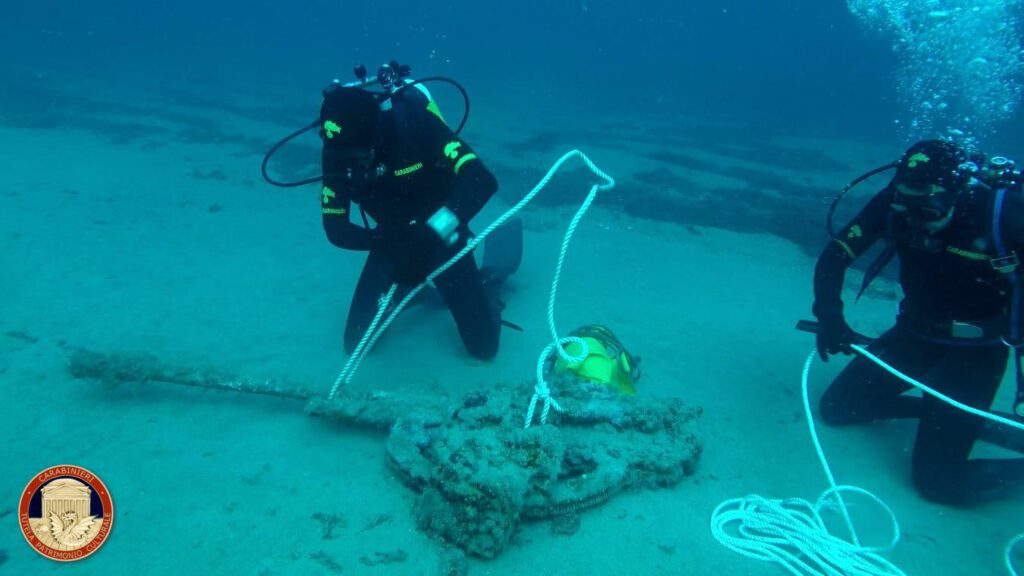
(178, 249)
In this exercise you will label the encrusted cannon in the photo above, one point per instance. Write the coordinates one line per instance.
(477, 471)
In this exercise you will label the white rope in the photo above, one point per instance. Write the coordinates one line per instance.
(792, 533)
(377, 328)
(541, 391)
(357, 354)
(881, 363)
(824, 461)
(1009, 550)
(987, 415)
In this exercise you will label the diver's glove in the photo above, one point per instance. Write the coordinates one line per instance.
(834, 335)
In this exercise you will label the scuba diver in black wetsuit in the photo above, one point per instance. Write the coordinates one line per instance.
(392, 154)
(957, 224)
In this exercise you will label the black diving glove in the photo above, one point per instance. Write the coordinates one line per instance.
(834, 335)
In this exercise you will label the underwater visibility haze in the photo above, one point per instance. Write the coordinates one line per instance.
(612, 382)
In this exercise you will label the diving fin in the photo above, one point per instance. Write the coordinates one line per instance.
(503, 249)
(503, 252)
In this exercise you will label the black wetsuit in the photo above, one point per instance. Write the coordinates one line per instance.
(425, 167)
(946, 277)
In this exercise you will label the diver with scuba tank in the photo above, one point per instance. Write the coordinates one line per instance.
(387, 150)
(956, 223)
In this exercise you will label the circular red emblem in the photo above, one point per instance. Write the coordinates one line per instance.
(66, 513)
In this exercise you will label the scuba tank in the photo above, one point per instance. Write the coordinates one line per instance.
(394, 79)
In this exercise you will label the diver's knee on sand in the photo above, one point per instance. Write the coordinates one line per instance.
(482, 348)
(836, 410)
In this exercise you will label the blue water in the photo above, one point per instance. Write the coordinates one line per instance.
(793, 64)
(783, 62)
(132, 217)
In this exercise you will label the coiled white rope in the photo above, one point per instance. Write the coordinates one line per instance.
(791, 532)
(1009, 550)
(378, 327)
